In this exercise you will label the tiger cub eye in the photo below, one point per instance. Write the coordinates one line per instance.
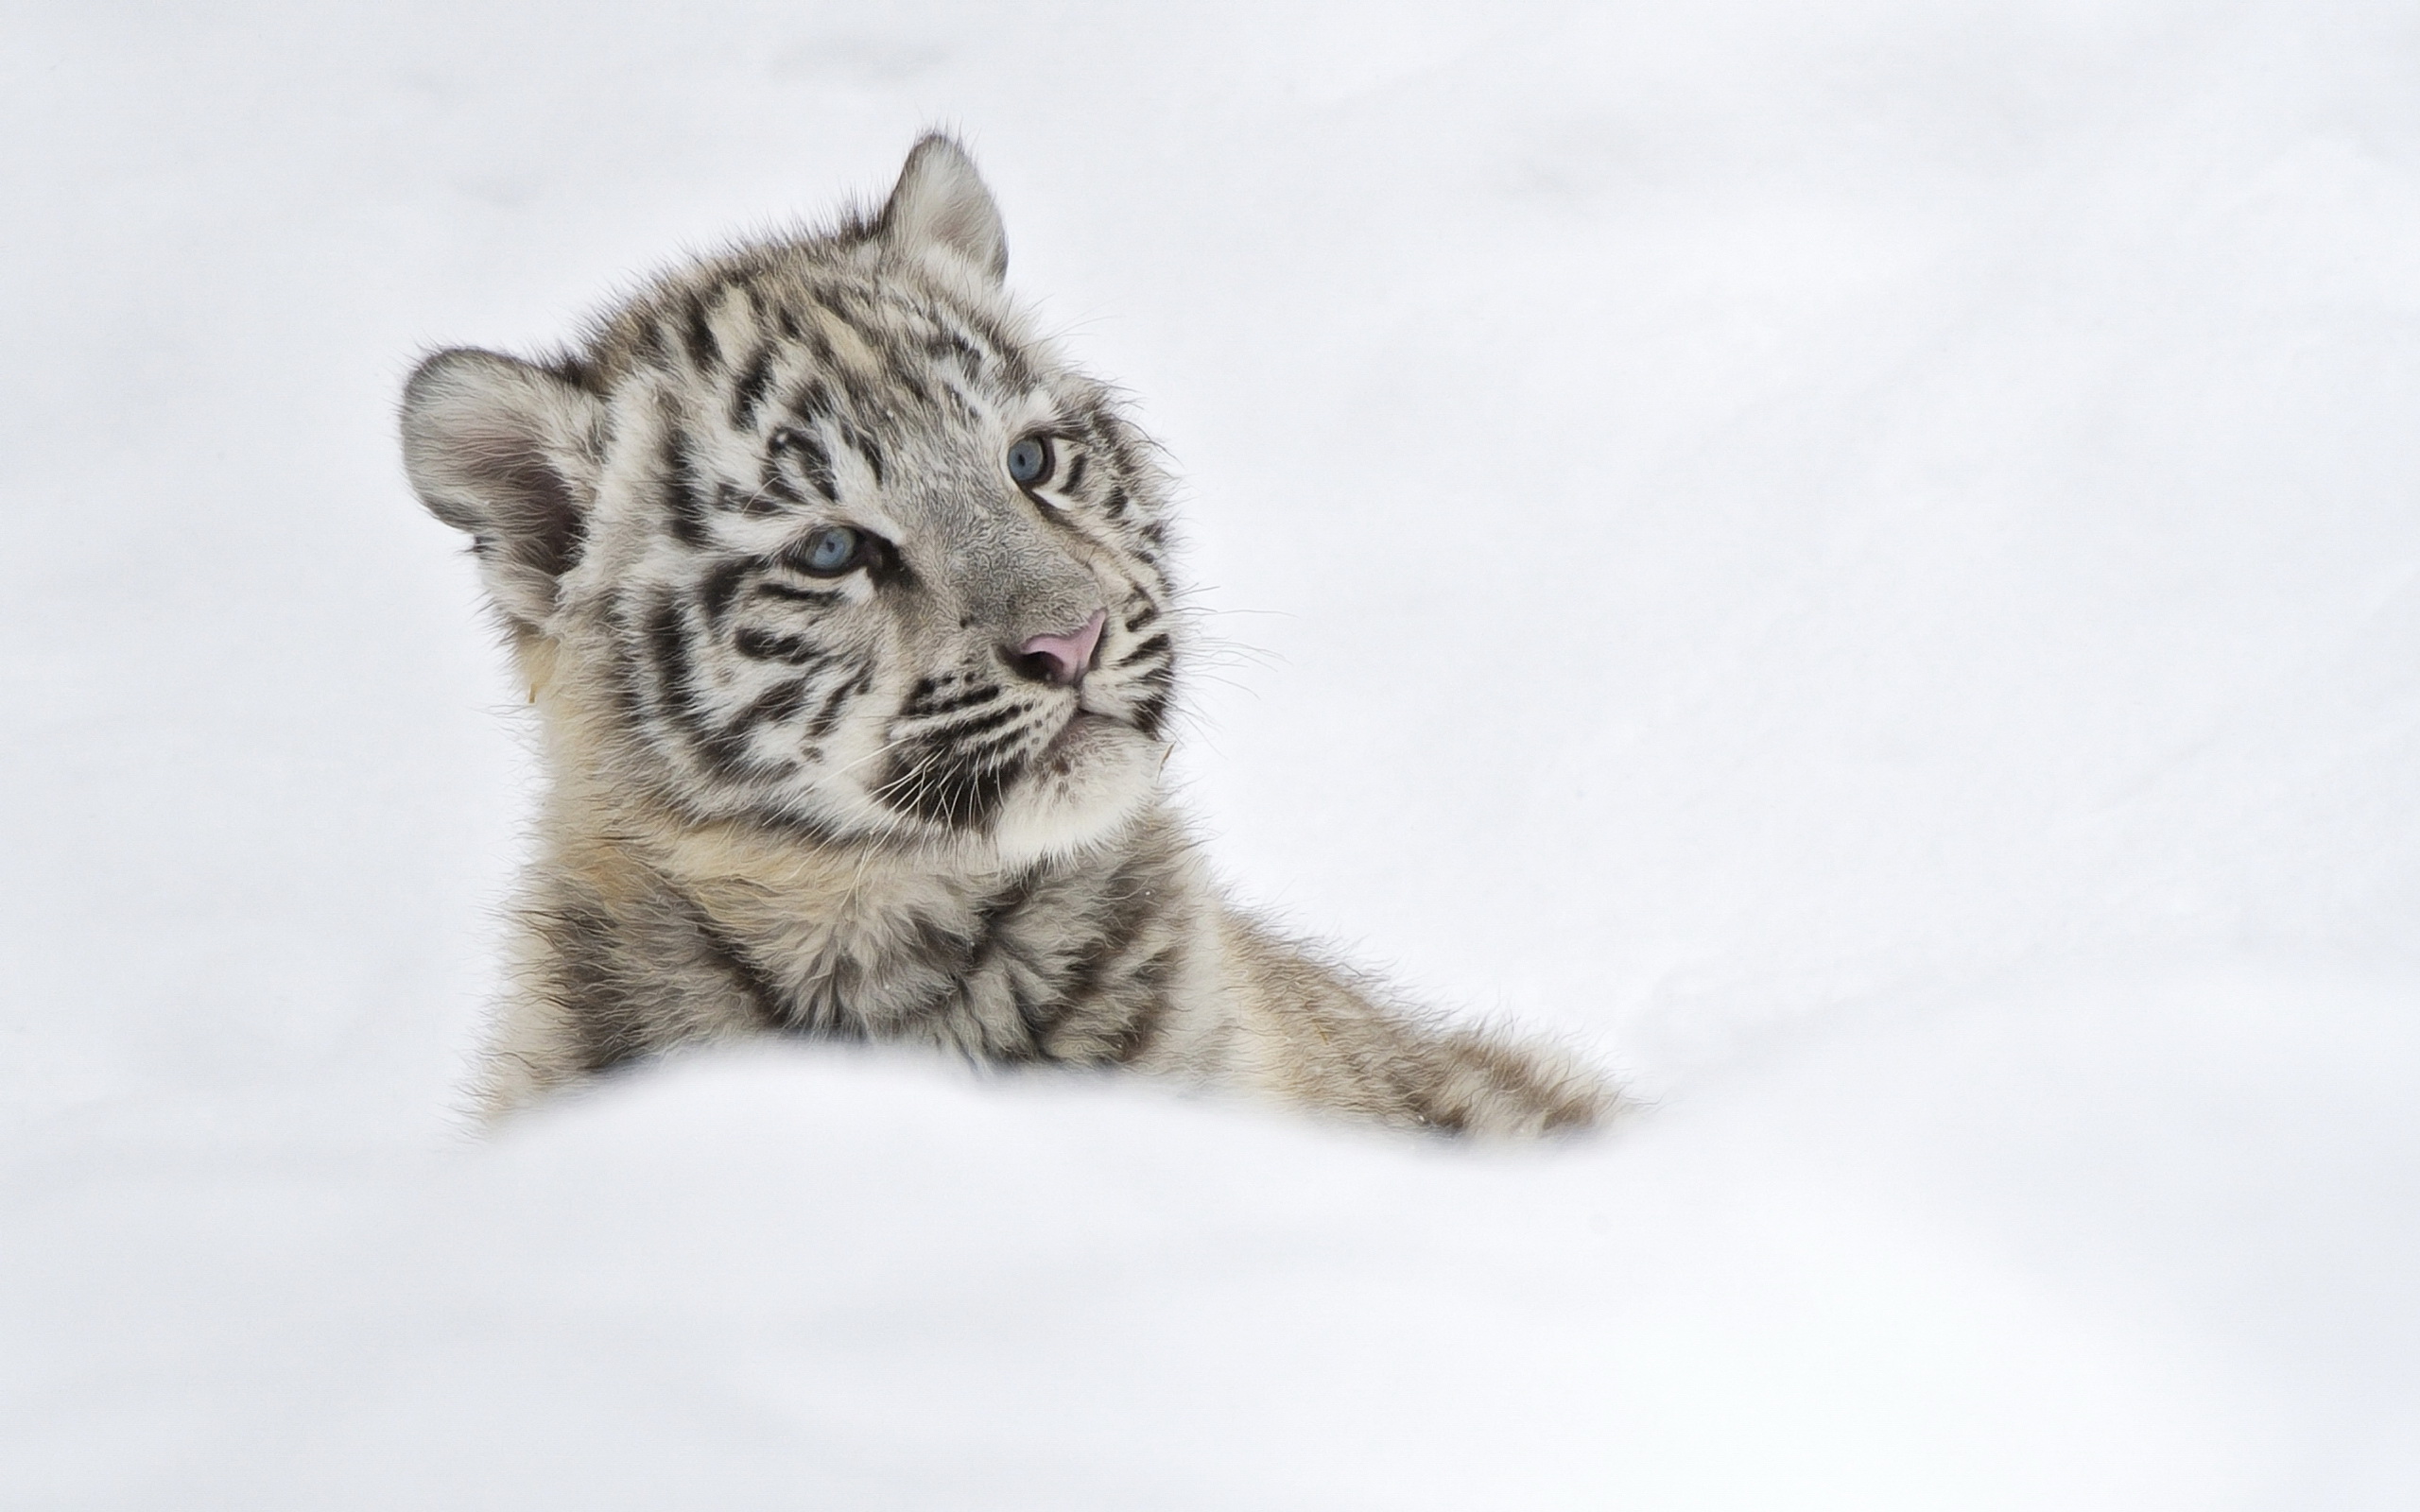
(833, 550)
(1029, 460)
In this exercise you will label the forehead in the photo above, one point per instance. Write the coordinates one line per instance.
(904, 398)
(786, 341)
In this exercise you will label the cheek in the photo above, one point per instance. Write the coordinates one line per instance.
(925, 639)
(862, 728)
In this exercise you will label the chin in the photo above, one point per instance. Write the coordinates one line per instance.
(1088, 784)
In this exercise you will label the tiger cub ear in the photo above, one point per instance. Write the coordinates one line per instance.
(940, 203)
(506, 451)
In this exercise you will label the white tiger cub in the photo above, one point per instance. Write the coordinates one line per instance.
(845, 602)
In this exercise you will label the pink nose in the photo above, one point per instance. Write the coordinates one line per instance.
(1062, 658)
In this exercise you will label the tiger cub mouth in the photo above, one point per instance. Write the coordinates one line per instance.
(1082, 735)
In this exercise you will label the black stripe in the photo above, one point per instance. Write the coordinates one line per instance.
(684, 504)
(748, 391)
(1152, 976)
(816, 463)
(812, 403)
(773, 494)
(1039, 1016)
(752, 983)
(908, 378)
(867, 448)
(972, 724)
(667, 638)
(974, 751)
(938, 945)
(1116, 441)
(829, 714)
(966, 407)
(1131, 904)
(945, 790)
(1014, 370)
(705, 353)
(765, 645)
(945, 341)
(1152, 709)
(818, 596)
(648, 346)
(918, 708)
(721, 585)
(1154, 647)
(727, 747)
(589, 984)
(995, 912)
(857, 398)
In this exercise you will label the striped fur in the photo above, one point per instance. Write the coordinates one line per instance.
(856, 802)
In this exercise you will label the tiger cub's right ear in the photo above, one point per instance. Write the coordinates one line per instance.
(507, 451)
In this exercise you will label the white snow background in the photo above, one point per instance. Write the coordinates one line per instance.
(1861, 560)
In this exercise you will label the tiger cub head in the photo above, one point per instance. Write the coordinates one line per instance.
(818, 535)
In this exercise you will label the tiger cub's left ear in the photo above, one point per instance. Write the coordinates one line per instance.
(507, 452)
(940, 204)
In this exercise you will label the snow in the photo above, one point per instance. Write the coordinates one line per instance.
(1858, 560)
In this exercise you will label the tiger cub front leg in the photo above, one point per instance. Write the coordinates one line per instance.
(1315, 1034)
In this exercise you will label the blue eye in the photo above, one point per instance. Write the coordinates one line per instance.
(1029, 460)
(831, 551)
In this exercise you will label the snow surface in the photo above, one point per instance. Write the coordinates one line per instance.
(1860, 560)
